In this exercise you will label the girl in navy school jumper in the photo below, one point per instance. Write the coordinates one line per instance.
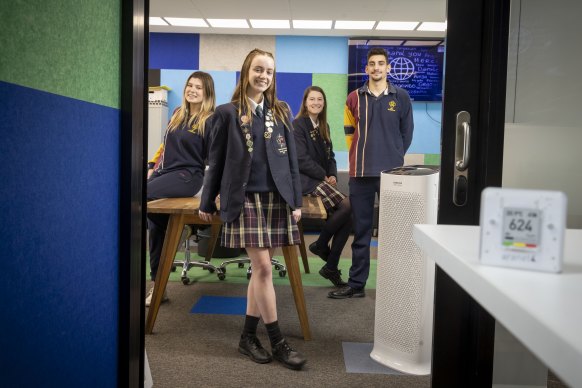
(318, 170)
(253, 164)
(180, 171)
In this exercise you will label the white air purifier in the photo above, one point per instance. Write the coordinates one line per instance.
(405, 282)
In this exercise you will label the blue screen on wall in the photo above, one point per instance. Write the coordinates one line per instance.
(417, 69)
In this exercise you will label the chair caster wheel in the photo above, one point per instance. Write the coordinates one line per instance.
(173, 268)
(223, 270)
(282, 273)
(185, 281)
(210, 270)
(249, 275)
(221, 276)
(241, 265)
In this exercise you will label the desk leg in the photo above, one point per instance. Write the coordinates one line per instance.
(302, 247)
(173, 233)
(292, 263)
(214, 232)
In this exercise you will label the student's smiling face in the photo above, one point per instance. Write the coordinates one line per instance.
(194, 92)
(260, 74)
(377, 67)
(314, 102)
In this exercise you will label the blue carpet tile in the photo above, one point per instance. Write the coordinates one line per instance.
(227, 305)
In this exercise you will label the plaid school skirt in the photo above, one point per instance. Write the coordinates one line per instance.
(266, 221)
(330, 196)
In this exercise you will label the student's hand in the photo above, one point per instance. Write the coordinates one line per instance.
(150, 172)
(297, 214)
(331, 180)
(206, 217)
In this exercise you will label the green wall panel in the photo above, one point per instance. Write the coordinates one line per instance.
(66, 47)
(434, 159)
(335, 87)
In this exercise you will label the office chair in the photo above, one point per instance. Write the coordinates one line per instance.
(241, 261)
(187, 263)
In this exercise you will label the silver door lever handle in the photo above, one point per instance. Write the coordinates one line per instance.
(462, 164)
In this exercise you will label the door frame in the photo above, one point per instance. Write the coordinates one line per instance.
(476, 59)
(132, 183)
(475, 81)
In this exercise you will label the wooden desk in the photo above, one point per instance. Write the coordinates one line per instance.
(183, 211)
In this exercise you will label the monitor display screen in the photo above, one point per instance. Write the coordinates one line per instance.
(417, 69)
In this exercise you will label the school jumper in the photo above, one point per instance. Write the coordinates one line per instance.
(180, 173)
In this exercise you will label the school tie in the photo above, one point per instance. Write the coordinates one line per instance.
(259, 111)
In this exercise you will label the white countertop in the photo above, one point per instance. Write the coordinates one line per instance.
(543, 310)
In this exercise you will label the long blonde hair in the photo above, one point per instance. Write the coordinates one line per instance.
(321, 117)
(280, 109)
(182, 115)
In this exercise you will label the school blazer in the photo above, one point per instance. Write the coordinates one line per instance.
(230, 164)
(314, 161)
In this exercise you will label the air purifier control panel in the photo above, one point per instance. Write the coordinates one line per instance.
(523, 228)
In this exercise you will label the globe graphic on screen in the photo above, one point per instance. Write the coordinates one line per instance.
(401, 68)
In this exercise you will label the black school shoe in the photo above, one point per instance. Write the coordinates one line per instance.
(289, 357)
(333, 275)
(321, 252)
(347, 292)
(251, 346)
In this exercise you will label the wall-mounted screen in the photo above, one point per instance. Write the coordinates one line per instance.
(417, 69)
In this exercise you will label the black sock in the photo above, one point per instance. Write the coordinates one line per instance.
(251, 324)
(274, 333)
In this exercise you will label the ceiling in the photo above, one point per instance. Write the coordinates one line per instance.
(377, 10)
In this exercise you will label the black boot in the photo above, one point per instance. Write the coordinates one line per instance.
(289, 357)
(251, 346)
(318, 251)
(334, 276)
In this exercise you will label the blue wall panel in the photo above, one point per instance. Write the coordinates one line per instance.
(224, 84)
(174, 51)
(290, 88)
(312, 54)
(427, 128)
(59, 201)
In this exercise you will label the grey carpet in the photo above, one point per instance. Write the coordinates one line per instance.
(198, 350)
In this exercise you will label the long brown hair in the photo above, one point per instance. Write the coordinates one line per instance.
(280, 108)
(321, 117)
(182, 115)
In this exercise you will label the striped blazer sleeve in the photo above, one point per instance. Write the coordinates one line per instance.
(350, 117)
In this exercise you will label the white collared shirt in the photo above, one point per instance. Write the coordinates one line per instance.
(315, 124)
(254, 104)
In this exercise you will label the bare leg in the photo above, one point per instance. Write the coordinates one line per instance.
(261, 300)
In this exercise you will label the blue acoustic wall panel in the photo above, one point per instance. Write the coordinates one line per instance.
(312, 54)
(290, 88)
(174, 51)
(59, 201)
(224, 84)
(427, 128)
